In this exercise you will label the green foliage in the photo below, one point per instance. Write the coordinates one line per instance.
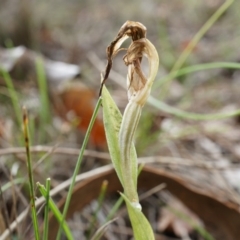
(44, 113)
(77, 168)
(56, 212)
(13, 95)
(100, 202)
(46, 210)
(188, 115)
(141, 227)
(197, 37)
(30, 175)
(112, 122)
(112, 118)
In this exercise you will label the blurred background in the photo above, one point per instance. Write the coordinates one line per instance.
(51, 56)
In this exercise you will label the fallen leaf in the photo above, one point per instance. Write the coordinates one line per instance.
(77, 106)
(217, 215)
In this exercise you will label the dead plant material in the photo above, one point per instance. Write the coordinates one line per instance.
(135, 30)
(216, 214)
(75, 103)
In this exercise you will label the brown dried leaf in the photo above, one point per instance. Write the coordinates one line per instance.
(75, 103)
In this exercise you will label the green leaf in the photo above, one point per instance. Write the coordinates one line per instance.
(134, 163)
(112, 119)
(55, 211)
(142, 229)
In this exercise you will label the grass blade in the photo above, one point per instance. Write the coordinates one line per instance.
(13, 95)
(14, 181)
(30, 175)
(43, 90)
(196, 68)
(99, 233)
(114, 209)
(79, 161)
(46, 210)
(187, 115)
(198, 36)
(100, 202)
(56, 212)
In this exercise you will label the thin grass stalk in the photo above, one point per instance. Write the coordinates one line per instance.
(30, 175)
(56, 212)
(43, 89)
(100, 232)
(46, 210)
(198, 36)
(187, 115)
(13, 95)
(208, 24)
(79, 161)
(114, 209)
(13, 182)
(197, 68)
(99, 205)
(32, 128)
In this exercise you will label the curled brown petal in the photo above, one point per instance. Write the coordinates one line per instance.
(139, 86)
(135, 30)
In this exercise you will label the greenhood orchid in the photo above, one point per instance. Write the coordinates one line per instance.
(139, 88)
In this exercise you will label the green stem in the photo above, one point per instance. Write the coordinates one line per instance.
(183, 57)
(30, 175)
(55, 211)
(46, 210)
(100, 202)
(13, 95)
(43, 91)
(79, 161)
(119, 201)
(128, 128)
(114, 209)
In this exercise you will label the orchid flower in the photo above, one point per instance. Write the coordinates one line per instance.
(139, 88)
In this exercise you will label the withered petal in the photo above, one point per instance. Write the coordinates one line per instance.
(139, 48)
(132, 29)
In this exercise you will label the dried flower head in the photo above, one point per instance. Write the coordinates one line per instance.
(139, 85)
(135, 30)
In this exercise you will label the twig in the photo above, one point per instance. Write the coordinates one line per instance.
(54, 192)
(55, 150)
(152, 191)
(102, 155)
(4, 209)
